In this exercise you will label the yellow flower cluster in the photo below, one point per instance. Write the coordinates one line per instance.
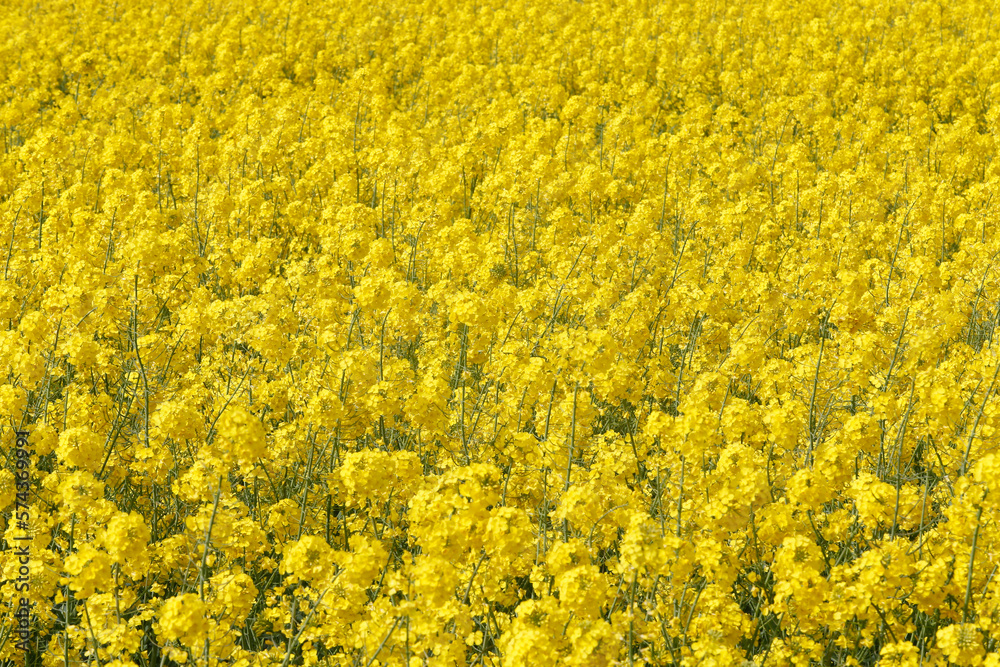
(482, 332)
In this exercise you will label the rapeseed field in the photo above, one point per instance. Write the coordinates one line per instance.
(499, 332)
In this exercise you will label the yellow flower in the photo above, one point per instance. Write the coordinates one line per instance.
(126, 538)
(309, 558)
(232, 596)
(184, 618)
(899, 653)
(81, 447)
(90, 570)
(241, 436)
(962, 643)
(7, 488)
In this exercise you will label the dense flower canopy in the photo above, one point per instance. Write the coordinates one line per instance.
(577, 332)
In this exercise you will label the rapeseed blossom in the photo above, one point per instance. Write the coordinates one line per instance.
(500, 333)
